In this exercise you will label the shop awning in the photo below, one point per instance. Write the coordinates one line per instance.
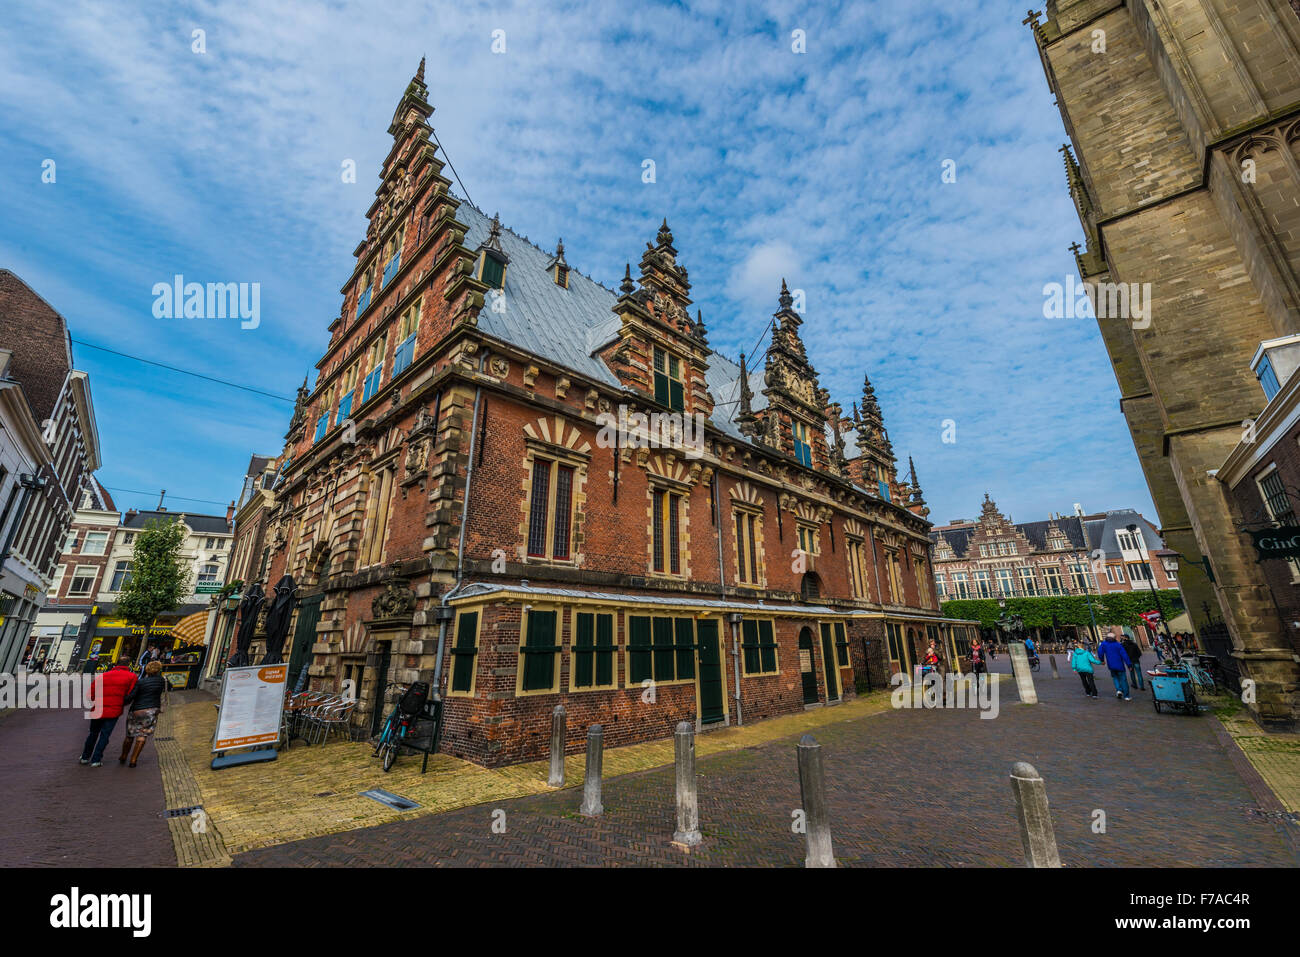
(191, 629)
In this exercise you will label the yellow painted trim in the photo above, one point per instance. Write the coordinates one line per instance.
(478, 636)
(572, 638)
(559, 655)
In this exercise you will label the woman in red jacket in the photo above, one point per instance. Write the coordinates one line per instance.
(109, 693)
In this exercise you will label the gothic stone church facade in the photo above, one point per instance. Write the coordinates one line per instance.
(452, 511)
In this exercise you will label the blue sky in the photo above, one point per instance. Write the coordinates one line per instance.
(823, 168)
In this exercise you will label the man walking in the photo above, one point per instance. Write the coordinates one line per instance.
(1134, 662)
(109, 692)
(1113, 655)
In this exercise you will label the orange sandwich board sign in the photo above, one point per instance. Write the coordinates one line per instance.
(252, 700)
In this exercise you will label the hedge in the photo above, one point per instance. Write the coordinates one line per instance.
(1115, 608)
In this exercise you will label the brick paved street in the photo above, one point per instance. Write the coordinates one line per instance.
(58, 812)
(907, 788)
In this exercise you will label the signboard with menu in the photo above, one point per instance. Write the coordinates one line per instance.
(252, 700)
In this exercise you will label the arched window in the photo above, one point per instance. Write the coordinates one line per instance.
(811, 586)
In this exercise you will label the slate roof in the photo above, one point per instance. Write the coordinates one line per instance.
(568, 326)
(208, 524)
(1091, 533)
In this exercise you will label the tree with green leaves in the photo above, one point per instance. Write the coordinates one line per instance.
(159, 580)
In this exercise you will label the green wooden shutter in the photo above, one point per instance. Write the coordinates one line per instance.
(663, 644)
(841, 645)
(677, 400)
(638, 646)
(464, 653)
(749, 645)
(604, 650)
(583, 641)
(685, 629)
(767, 643)
(539, 654)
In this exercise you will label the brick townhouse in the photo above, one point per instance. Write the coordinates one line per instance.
(456, 507)
(49, 446)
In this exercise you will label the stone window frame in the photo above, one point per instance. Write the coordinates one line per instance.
(1264, 497)
(657, 484)
(596, 611)
(856, 562)
(754, 541)
(378, 512)
(559, 457)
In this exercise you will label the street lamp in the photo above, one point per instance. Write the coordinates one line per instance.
(1151, 581)
(1087, 592)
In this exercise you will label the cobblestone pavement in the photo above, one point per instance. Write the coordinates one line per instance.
(56, 812)
(905, 788)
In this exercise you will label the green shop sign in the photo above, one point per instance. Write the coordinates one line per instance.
(208, 589)
(1281, 542)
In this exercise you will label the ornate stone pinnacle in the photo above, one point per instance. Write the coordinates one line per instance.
(627, 286)
(785, 299)
(665, 237)
(419, 74)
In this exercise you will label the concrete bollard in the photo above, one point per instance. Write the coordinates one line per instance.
(558, 722)
(591, 806)
(1020, 669)
(688, 805)
(812, 794)
(1055, 672)
(1036, 834)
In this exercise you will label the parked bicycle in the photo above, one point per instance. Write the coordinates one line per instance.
(401, 720)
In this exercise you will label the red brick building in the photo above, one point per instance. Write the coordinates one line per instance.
(458, 504)
(49, 446)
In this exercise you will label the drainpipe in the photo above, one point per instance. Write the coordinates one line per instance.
(444, 611)
(734, 619)
(717, 514)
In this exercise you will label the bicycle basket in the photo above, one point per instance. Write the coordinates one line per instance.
(414, 698)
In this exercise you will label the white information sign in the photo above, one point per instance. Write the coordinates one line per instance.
(252, 700)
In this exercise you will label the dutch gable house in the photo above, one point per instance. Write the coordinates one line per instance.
(529, 489)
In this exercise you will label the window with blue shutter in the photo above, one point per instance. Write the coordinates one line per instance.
(390, 269)
(373, 380)
(884, 489)
(802, 448)
(1267, 378)
(404, 354)
(322, 426)
(345, 406)
(363, 300)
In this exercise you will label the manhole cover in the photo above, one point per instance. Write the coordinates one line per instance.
(395, 801)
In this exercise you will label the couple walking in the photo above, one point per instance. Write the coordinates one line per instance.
(116, 691)
(1117, 658)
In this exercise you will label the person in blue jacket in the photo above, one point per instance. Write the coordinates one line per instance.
(1113, 655)
(1082, 660)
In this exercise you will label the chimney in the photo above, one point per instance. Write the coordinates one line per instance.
(230, 512)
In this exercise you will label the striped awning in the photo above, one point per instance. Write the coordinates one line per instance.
(191, 629)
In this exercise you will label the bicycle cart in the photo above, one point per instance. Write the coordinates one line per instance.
(1174, 688)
